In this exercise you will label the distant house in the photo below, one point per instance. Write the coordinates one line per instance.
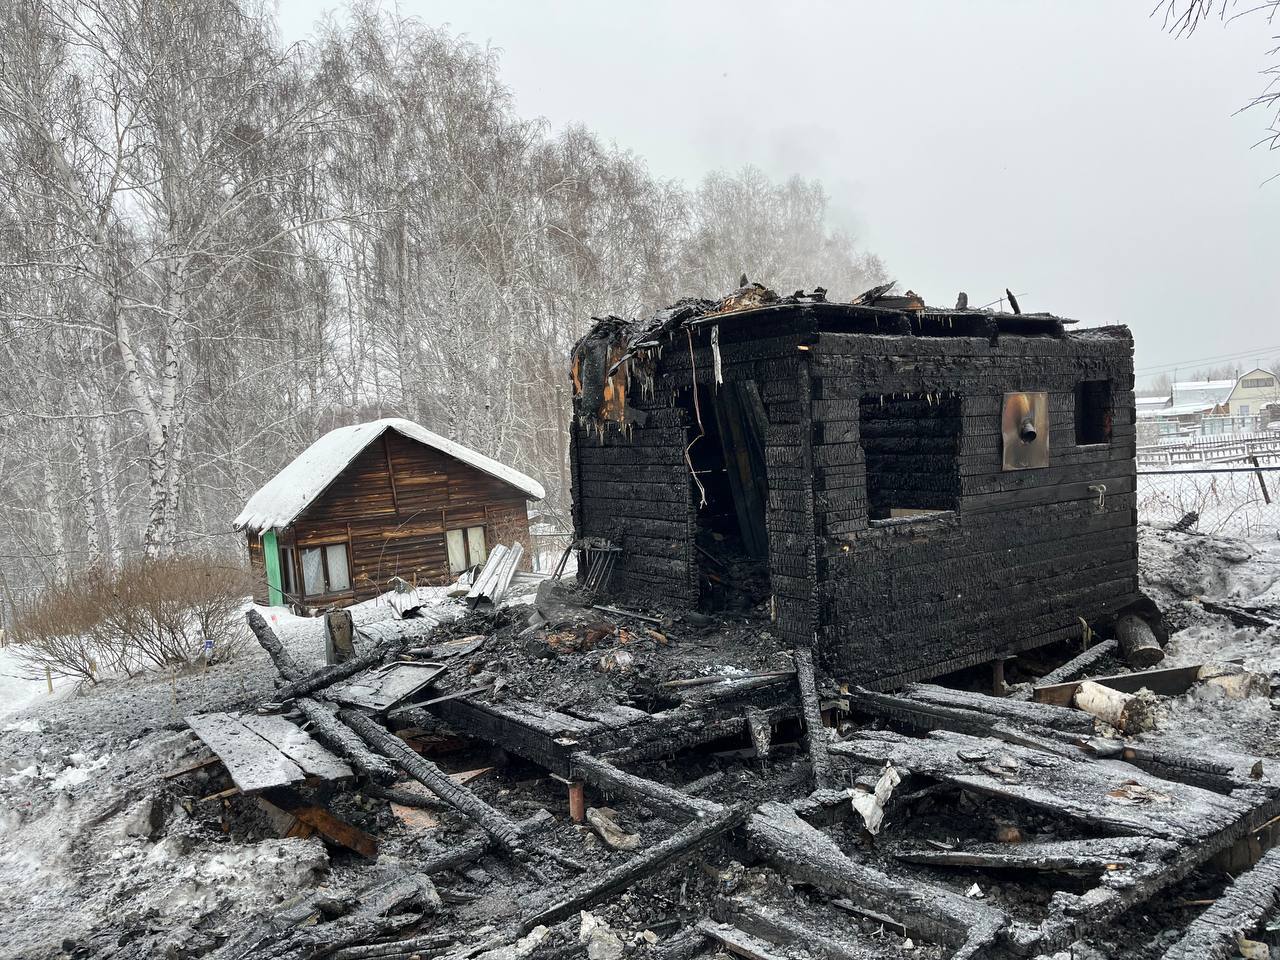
(1253, 392)
(371, 502)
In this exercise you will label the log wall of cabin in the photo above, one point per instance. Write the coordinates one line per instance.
(393, 505)
(1020, 560)
(1024, 555)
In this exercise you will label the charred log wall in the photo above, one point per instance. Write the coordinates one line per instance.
(1024, 555)
(1015, 561)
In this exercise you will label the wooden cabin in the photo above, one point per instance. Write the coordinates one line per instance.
(373, 502)
(908, 490)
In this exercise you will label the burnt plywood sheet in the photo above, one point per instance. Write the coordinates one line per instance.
(383, 687)
(261, 753)
(298, 746)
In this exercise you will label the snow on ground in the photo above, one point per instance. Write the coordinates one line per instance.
(17, 691)
(95, 847)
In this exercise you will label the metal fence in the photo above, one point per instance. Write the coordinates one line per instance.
(1233, 501)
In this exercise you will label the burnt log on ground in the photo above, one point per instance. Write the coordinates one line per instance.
(1109, 795)
(814, 729)
(793, 847)
(678, 845)
(339, 738)
(668, 802)
(496, 824)
(328, 676)
(282, 658)
(1252, 897)
(1083, 857)
(1025, 715)
(471, 850)
(738, 942)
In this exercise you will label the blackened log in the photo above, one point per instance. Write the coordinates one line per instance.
(1017, 712)
(806, 854)
(288, 667)
(328, 676)
(403, 797)
(811, 710)
(668, 802)
(680, 844)
(503, 831)
(1084, 857)
(1138, 643)
(339, 738)
(471, 850)
(431, 942)
(1244, 904)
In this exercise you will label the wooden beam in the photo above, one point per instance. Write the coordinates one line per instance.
(603, 885)
(282, 658)
(325, 823)
(1242, 906)
(814, 730)
(668, 802)
(1165, 681)
(737, 942)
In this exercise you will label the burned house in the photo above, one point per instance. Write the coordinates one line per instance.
(910, 490)
(375, 501)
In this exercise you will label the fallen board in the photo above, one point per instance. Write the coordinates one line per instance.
(1166, 681)
(254, 761)
(1110, 795)
(383, 687)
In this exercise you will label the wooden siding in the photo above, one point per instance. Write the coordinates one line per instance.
(393, 504)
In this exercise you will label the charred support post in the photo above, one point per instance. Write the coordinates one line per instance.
(288, 667)
(577, 801)
(1140, 647)
(503, 831)
(815, 732)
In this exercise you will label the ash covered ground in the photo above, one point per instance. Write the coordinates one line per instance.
(102, 856)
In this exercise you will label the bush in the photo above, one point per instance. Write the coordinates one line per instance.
(151, 614)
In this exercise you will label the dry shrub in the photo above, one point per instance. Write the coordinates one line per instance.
(151, 614)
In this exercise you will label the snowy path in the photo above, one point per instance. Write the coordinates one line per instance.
(16, 692)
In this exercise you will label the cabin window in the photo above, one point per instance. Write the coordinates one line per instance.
(467, 548)
(1093, 412)
(325, 569)
(911, 443)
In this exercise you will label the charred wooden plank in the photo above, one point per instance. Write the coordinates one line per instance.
(814, 729)
(339, 738)
(1092, 856)
(1076, 667)
(667, 802)
(254, 764)
(324, 822)
(1253, 896)
(784, 929)
(327, 676)
(1165, 681)
(678, 845)
(496, 824)
(737, 942)
(471, 850)
(1102, 794)
(290, 740)
(806, 854)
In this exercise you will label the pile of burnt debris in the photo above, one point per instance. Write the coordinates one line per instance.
(574, 777)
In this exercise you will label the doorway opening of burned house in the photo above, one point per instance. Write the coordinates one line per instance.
(911, 443)
(731, 493)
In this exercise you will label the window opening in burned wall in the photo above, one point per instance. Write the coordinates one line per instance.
(1093, 412)
(911, 443)
(731, 495)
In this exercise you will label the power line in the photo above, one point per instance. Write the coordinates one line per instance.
(1166, 367)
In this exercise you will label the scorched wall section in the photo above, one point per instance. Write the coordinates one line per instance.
(1026, 554)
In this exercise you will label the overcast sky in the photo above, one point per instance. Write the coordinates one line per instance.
(1071, 151)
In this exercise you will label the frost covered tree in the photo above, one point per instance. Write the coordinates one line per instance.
(214, 248)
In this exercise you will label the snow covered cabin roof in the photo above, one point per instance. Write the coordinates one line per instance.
(297, 486)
